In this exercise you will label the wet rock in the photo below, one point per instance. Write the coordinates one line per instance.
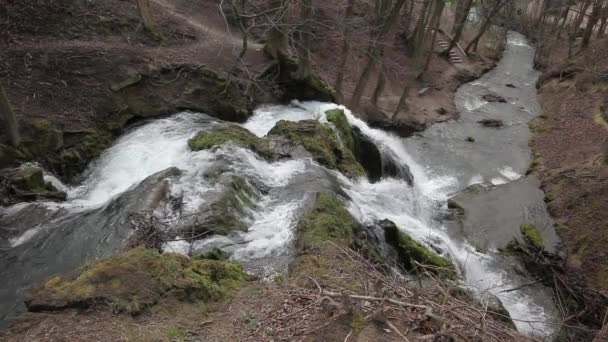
(441, 111)
(321, 141)
(470, 139)
(238, 135)
(368, 155)
(510, 85)
(225, 211)
(339, 120)
(136, 280)
(493, 123)
(26, 183)
(494, 98)
(412, 252)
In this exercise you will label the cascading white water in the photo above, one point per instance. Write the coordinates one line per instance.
(161, 144)
(414, 209)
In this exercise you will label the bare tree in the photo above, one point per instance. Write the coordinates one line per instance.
(277, 44)
(345, 50)
(373, 53)
(591, 22)
(462, 13)
(487, 22)
(9, 118)
(146, 17)
(305, 62)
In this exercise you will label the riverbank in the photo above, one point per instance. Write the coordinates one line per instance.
(571, 159)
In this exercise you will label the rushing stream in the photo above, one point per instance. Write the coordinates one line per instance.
(140, 171)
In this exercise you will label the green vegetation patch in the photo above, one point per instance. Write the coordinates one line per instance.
(411, 252)
(321, 141)
(531, 235)
(327, 220)
(223, 134)
(337, 117)
(138, 279)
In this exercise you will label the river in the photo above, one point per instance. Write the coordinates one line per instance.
(140, 168)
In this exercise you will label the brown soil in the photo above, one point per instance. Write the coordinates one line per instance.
(571, 147)
(298, 307)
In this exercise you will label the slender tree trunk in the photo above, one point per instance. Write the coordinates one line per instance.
(379, 86)
(486, 25)
(305, 62)
(146, 17)
(345, 50)
(373, 54)
(459, 26)
(409, 13)
(591, 22)
(434, 26)
(10, 119)
(603, 24)
(277, 44)
(238, 10)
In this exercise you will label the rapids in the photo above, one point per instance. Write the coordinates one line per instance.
(93, 223)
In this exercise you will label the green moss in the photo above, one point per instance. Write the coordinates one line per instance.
(321, 141)
(327, 220)
(139, 278)
(474, 189)
(223, 134)
(531, 235)
(357, 323)
(215, 254)
(412, 252)
(337, 117)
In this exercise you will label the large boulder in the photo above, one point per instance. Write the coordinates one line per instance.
(328, 219)
(321, 141)
(237, 135)
(136, 280)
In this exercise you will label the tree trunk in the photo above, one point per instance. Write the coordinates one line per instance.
(10, 119)
(372, 52)
(591, 22)
(277, 44)
(459, 25)
(345, 50)
(146, 17)
(305, 64)
(486, 25)
(434, 26)
(603, 24)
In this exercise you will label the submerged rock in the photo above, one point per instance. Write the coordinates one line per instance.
(491, 123)
(494, 98)
(136, 280)
(26, 183)
(321, 141)
(225, 211)
(238, 135)
(411, 252)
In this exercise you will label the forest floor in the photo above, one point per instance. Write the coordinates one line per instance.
(571, 157)
(308, 304)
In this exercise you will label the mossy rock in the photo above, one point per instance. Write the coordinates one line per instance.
(411, 252)
(237, 135)
(328, 219)
(338, 118)
(531, 235)
(138, 279)
(227, 213)
(320, 140)
(26, 183)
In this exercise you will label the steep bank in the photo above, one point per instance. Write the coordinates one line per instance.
(571, 159)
